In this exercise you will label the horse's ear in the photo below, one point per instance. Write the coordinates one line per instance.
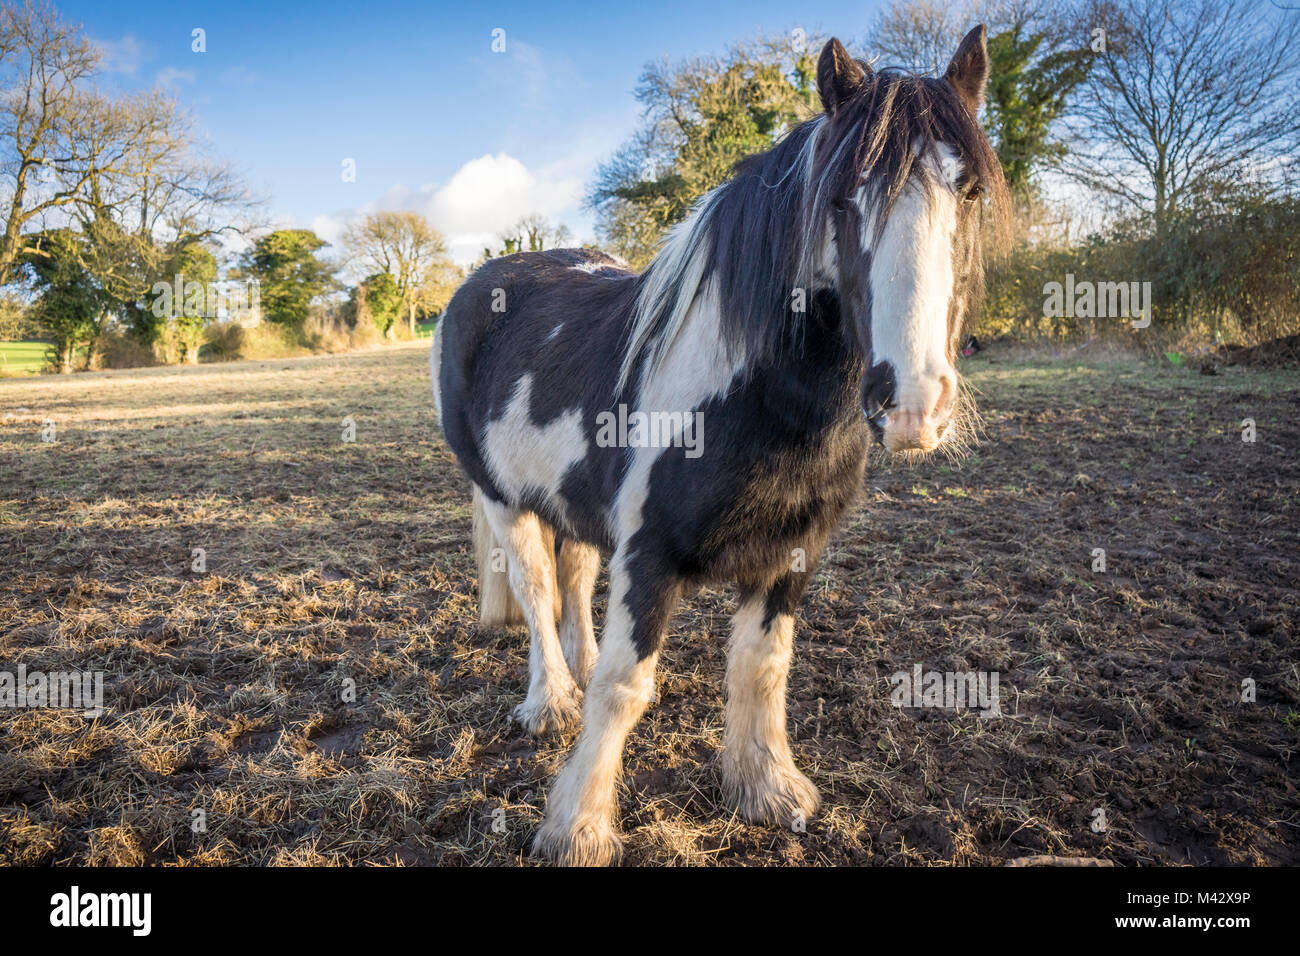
(838, 75)
(968, 73)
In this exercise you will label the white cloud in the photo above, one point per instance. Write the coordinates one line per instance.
(330, 228)
(482, 199)
(488, 195)
(120, 56)
(170, 76)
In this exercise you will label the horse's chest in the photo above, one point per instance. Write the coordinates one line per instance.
(761, 502)
(798, 494)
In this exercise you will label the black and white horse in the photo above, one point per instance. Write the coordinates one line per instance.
(810, 304)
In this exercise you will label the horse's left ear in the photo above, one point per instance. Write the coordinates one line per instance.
(968, 73)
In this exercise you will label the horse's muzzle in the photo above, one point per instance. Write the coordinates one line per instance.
(911, 419)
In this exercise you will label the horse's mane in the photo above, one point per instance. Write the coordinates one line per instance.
(756, 237)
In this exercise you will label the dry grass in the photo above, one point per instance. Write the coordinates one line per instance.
(333, 565)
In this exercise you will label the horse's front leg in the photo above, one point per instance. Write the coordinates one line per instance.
(758, 771)
(580, 829)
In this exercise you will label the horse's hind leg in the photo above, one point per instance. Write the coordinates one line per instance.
(577, 567)
(552, 701)
(758, 771)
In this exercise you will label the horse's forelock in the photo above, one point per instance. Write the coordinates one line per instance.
(878, 136)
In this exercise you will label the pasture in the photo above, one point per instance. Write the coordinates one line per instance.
(23, 358)
(322, 694)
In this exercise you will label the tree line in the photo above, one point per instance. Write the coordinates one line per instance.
(1153, 139)
(120, 227)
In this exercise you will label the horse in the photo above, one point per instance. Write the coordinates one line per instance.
(805, 309)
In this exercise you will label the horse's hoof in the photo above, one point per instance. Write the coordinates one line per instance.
(776, 796)
(552, 714)
(590, 845)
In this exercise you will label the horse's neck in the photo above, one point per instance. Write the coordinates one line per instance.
(814, 373)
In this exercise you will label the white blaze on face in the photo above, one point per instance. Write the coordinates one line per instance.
(911, 291)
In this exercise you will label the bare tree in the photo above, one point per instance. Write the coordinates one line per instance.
(1184, 95)
(402, 244)
(920, 35)
(127, 171)
(535, 232)
(165, 196)
(44, 163)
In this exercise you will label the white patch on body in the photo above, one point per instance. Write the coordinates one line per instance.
(695, 369)
(525, 457)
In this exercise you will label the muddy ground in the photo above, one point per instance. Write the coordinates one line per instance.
(333, 564)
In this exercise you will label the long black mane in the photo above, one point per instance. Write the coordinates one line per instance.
(758, 235)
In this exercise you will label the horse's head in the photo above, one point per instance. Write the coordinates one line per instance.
(899, 169)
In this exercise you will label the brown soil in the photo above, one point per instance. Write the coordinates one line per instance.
(335, 564)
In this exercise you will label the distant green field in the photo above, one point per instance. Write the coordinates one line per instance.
(22, 358)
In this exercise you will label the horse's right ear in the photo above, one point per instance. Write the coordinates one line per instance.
(838, 75)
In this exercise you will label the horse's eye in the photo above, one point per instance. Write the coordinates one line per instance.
(975, 192)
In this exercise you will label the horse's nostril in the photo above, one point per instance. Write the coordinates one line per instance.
(878, 412)
(878, 387)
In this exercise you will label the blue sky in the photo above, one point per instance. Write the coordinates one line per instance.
(434, 119)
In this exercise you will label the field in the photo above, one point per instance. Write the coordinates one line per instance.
(334, 565)
(22, 358)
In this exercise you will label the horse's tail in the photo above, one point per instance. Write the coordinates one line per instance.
(435, 369)
(497, 605)
(496, 602)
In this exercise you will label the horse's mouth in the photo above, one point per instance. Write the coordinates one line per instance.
(921, 438)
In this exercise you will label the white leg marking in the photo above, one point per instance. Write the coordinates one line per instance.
(579, 829)
(758, 771)
(552, 701)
